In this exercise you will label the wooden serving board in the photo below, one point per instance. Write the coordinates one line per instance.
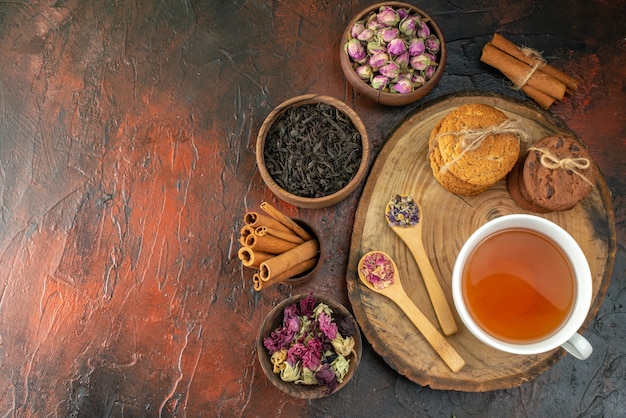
(402, 167)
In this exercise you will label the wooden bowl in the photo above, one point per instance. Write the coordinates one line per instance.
(305, 277)
(312, 202)
(275, 319)
(383, 97)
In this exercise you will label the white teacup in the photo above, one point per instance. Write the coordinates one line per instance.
(566, 335)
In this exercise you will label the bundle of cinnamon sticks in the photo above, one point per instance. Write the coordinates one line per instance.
(528, 71)
(276, 246)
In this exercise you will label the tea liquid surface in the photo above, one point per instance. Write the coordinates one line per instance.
(518, 286)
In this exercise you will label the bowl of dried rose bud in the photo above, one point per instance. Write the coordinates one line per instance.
(393, 53)
(309, 346)
(312, 151)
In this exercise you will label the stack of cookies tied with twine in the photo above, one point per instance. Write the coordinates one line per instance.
(554, 174)
(473, 147)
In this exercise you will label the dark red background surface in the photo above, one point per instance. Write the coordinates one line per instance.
(127, 134)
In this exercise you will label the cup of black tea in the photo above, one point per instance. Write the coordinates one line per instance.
(522, 284)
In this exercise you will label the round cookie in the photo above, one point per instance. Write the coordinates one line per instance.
(515, 188)
(445, 178)
(493, 158)
(557, 188)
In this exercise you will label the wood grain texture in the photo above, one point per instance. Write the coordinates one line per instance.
(448, 220)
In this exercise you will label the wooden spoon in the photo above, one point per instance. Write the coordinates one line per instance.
(411, 235)
(396, 293)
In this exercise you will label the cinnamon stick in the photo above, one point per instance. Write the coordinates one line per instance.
(245, 231)
(257, 282)
(251, 258)
(282, 263)
(287, 236)
(285, 220)
(268, 244)
(287, 274)
(538, 96)
(255, 220)
(516, 71)
(510, 48)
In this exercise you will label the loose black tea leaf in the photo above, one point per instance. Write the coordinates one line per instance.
(313, 150)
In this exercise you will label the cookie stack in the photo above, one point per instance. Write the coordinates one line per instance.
(554, 175)
(465, 157)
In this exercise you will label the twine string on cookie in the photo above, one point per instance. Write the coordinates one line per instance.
(539, 62)
(552, 162)
(473, 138)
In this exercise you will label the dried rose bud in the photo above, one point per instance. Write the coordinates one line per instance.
(402, 13)
(403, 86)
(432, 43)
(390, 70)
(388, 16)
(433, 57)
(418, 80)
(420, 62)
(423, 31)
(365, 72)
(366, 35)
(430, 71)
(388, 34)
(374, 24)
(374, 47)
(396, 46)
(355, 50)
(378, 60)
(416, 47)
(408, 25)
(403, 60)
(357, 28)
(379, 82)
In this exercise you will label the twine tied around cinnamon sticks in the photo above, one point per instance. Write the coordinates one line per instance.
(473, 138)
(276, 246)
(539, 62)
(528, 71)
(552, 162)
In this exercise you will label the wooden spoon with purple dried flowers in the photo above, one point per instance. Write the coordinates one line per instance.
(403, 215)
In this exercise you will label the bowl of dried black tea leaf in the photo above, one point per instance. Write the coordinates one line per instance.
(312, 151)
